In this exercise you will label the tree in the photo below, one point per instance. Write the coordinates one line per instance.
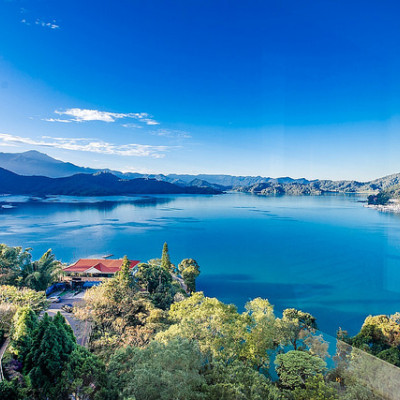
(261, 332)
(391, 355)
(296, 325)
(315, 389)
(236, 380)
(24, 324)
(119, 316)
(158, 282)
(124, 275)
(13, 260)
(40, 274)
(84, 374)
(150, 277)
(51, 348)
(295, 367)
(158, 372)
(165, 261)
(7, 312)
(218, 327)
(380, 336)
(9, 390)
(22, 297)
(187, 262)
(190, 270)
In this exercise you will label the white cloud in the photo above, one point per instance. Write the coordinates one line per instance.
(39, 22)
(171, 133)
(84, 115)
(89, 145)
(149, 121)
(132, 126)
(51, 25)
(56, 120)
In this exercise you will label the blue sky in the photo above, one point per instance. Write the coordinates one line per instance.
(272, 88)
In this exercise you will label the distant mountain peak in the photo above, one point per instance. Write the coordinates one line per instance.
(37, 155)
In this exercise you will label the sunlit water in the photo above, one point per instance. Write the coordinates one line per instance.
(326, 255)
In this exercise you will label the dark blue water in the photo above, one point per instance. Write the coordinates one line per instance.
(326, 255)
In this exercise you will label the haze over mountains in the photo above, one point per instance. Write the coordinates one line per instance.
(88, 180)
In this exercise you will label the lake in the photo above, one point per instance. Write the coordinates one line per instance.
(327, 255)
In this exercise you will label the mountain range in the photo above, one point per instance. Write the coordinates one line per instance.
(35, 163)
(86, 180)
(98, 184)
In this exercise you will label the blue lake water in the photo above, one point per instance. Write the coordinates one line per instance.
(327, 255)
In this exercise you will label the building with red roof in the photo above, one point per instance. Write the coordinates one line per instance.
(93, 269)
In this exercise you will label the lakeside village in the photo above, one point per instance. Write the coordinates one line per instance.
(120, 329)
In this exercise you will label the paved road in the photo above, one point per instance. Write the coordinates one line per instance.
(81, 329)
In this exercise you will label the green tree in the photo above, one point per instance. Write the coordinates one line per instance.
(119, 316)
(218, 327)
(187, 262)
(158, 282)
(315, 389)
(236, 380)
(165, 260)
(189, 270)
(295, 326)
(295, 367)
(380, 336)
(51, 348)
(22, 297)
(9, 390)
(158, 372)
(13, 260)
(150, 277)
(261, 332)
(24, 324)
(7, 313)
(84, 375)
(62, 324)
(124, 275)
(40, 274)
(391, 355)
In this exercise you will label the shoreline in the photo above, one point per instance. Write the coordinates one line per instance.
(392, 207)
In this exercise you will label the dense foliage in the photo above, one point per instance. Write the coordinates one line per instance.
(379, 336)
(381, 198)
(154, 337)
(18, 269)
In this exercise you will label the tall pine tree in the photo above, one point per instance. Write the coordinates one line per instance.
(50, 351)
(165, 261)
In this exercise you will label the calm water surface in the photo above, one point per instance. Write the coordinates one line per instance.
(326, 255)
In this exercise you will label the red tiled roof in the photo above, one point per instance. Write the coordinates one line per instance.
(104, 266)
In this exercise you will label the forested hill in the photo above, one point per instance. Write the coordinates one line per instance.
(99, 184)
(323, 186)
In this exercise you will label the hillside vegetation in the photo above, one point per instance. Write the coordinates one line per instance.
(318, 187)
(152, 339)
